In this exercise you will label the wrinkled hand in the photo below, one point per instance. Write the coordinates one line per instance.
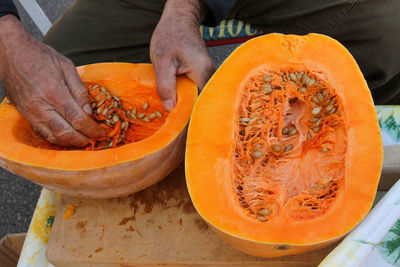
(45, 87)
(177, 48)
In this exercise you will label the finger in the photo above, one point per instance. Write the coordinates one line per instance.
(201, 72)
(43, 131)
(166, 82)
(79, 120)
(63, 131)
(76, 87)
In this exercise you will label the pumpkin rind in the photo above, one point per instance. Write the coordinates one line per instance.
(211, 136)
(110, 172)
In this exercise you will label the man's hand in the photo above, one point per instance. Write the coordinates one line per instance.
(45, 87)
(177, 48)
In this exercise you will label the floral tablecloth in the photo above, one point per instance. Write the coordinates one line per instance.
(375, 242)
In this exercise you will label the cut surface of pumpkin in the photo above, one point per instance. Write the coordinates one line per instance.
(151, 146)
(292, 151)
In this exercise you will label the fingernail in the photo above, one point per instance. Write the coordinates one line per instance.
(87, 109)
(168, 105)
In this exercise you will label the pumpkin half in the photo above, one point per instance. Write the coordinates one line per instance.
(284, 151)
(112, 172)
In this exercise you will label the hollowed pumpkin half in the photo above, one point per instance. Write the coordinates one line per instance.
(284, 151)
(104, 173)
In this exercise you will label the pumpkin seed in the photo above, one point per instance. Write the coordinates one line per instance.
(314, 99)
(145, 106)
(261, 218)
(94, 87)
(324, 93)
(126, 126)
(116, 98)
(97, 97)
(104, 111)
(265, 212)
(110, 144)
(146, 119)
(141, 115)
(108, 121)
(314, 119)
(310, 82)
(98, 111)
(133, 111)
(309, 136)
(332, 111)
(288, 148)
(123, 125)
(115, 104)
(293, 131)
(326, 180)
(133, 116)
(158, 114)
(276, 148)
(267, 78)
(108, 96)
(93, 104)
(285, 131)
(293, 76)
(115, 118)
(324, 149)
(317, 123)
(316, 110)
(152, 116)
(103, 89)
(329, 108)
(299, 75)
(316, 129)
(244, 119)
(257, 154)
(258, 146)
(303, 90)
(320, 97)
(267, 87)
(100, 103)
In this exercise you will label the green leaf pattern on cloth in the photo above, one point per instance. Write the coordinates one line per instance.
(389, 248)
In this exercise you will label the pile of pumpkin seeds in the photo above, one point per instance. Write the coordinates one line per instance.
(109, 110)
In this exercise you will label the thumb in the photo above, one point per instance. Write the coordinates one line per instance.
(166, 83)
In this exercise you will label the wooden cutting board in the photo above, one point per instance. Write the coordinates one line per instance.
(156, 227)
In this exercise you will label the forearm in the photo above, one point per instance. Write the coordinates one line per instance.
(190, 11)
(12, 33)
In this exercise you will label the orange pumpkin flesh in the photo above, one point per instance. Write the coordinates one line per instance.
(105, 173)
(284, 150)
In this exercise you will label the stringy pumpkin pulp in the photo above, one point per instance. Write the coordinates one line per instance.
(125, 121)
(290, 146)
